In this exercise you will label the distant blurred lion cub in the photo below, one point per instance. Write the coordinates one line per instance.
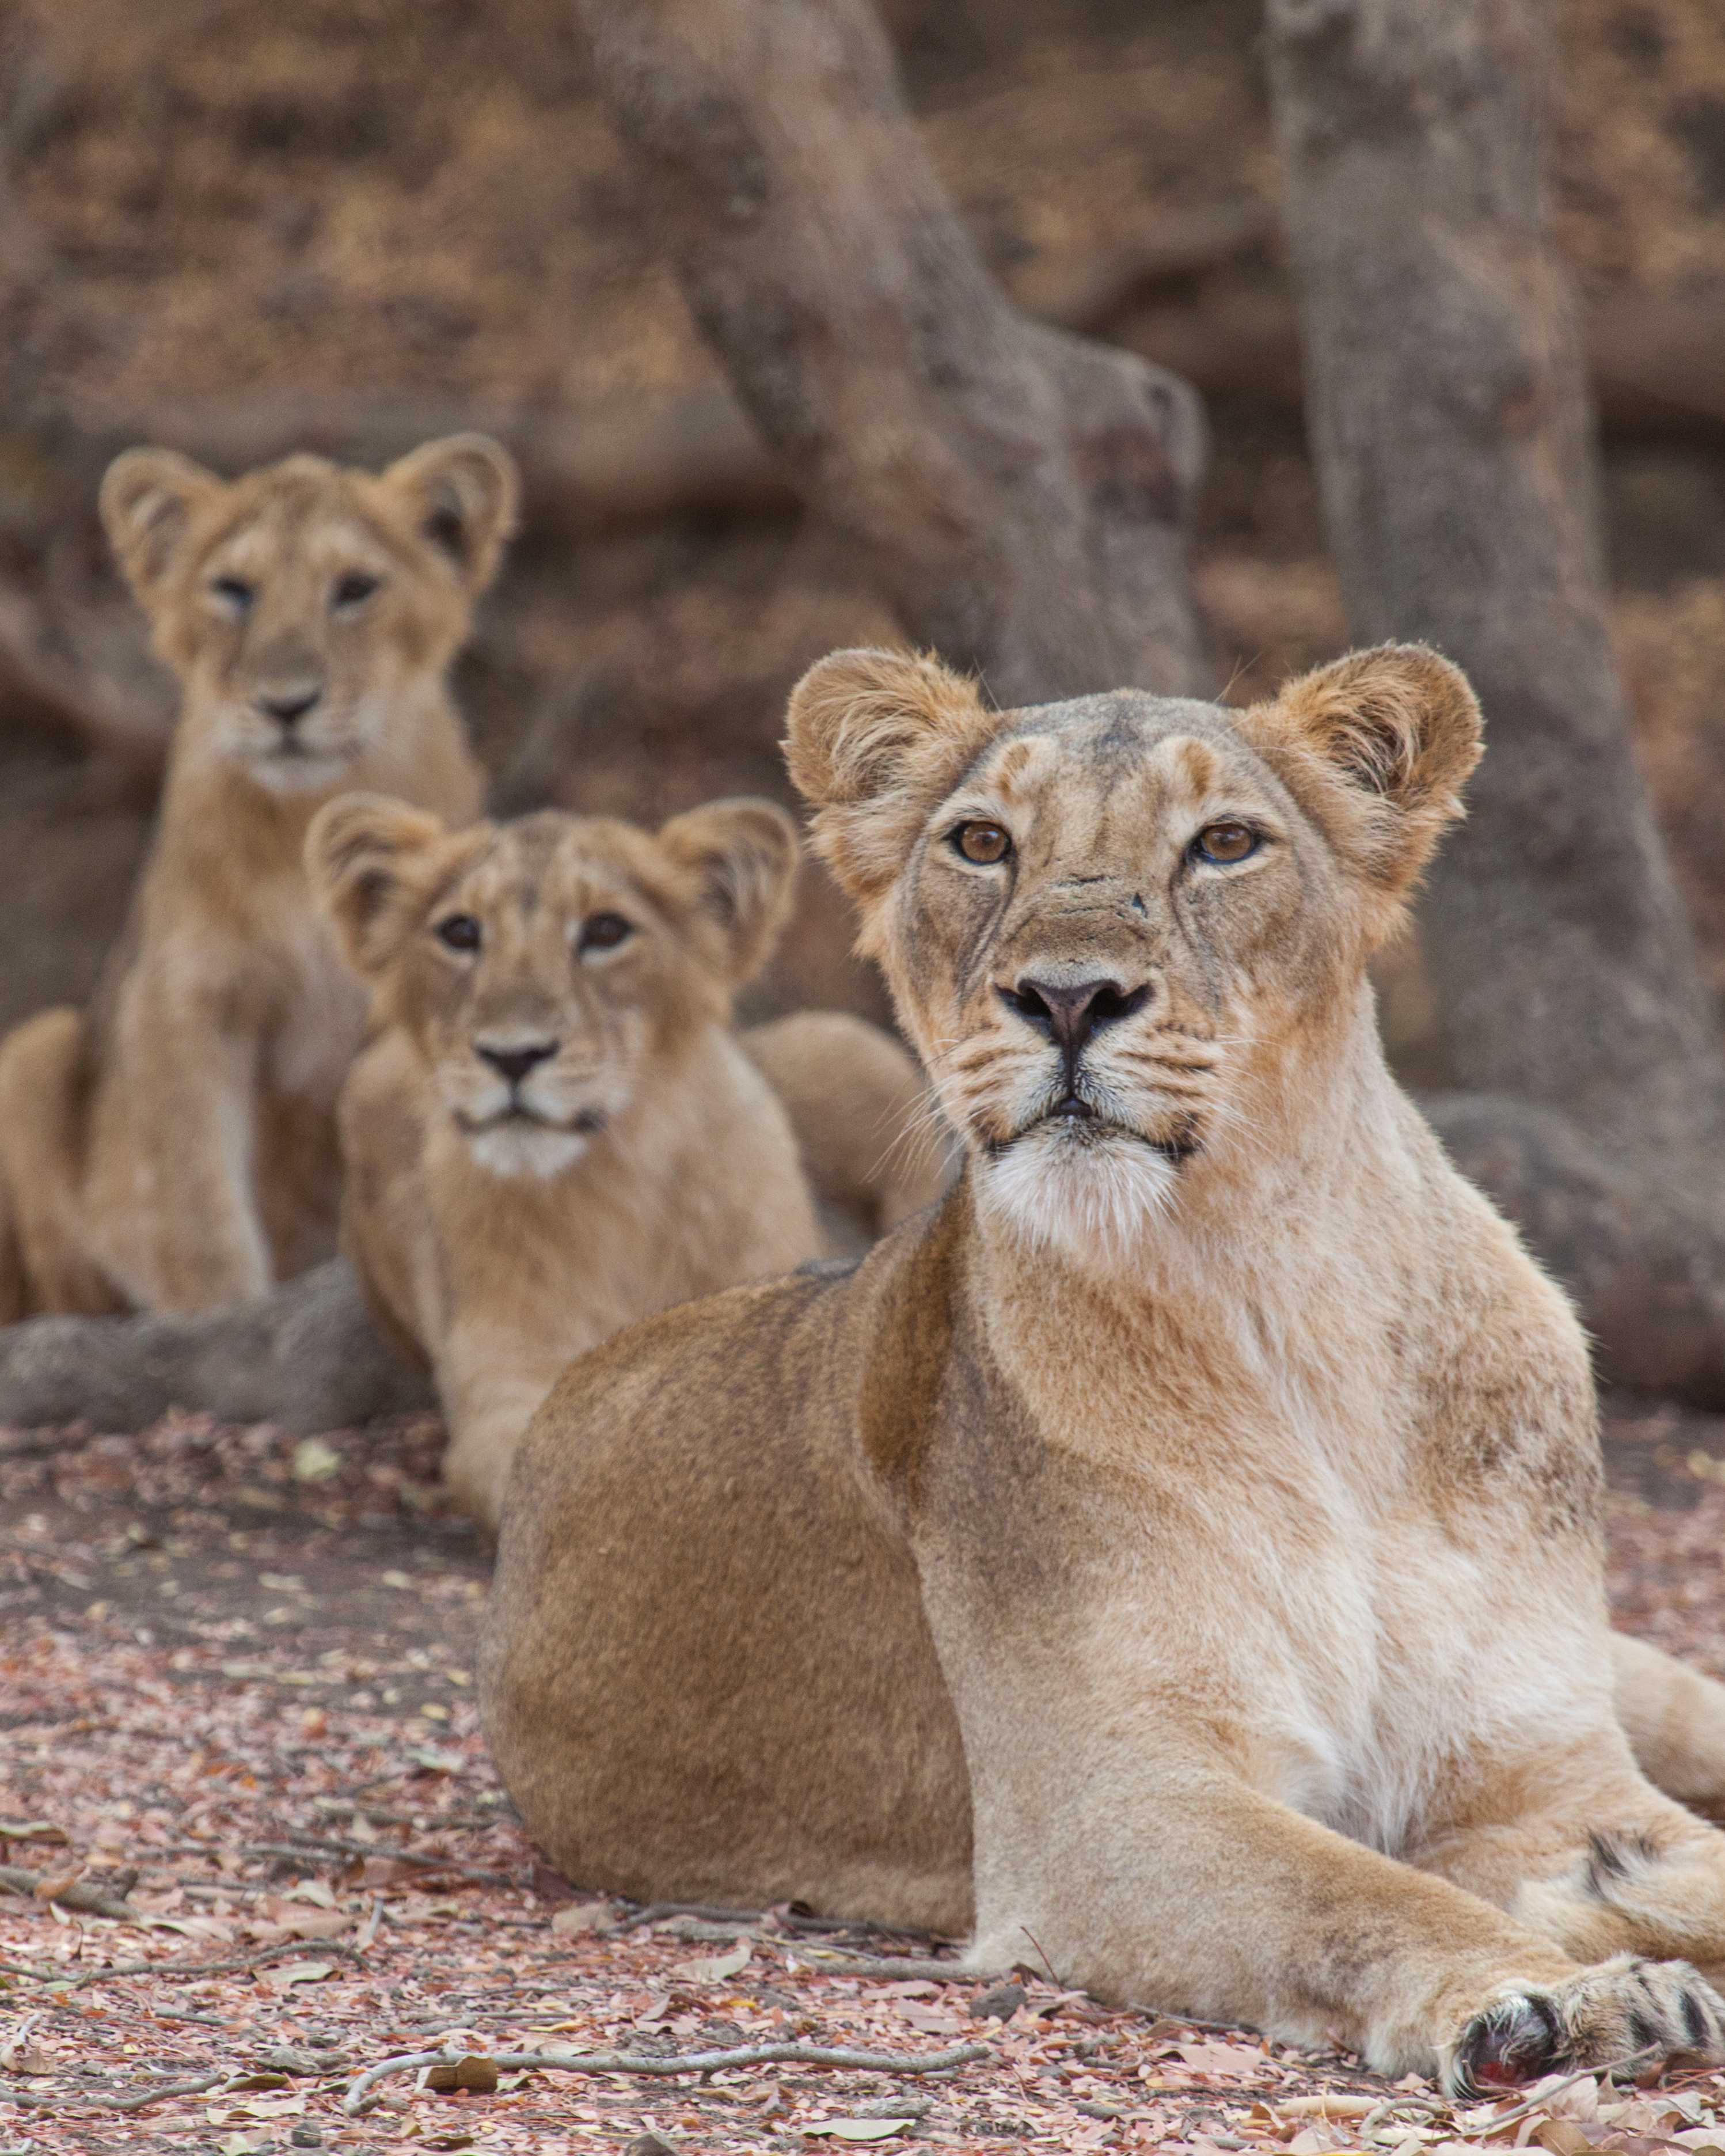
(174, 1147)
(554, 1131)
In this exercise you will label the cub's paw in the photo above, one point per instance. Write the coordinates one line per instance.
(1623, 2009)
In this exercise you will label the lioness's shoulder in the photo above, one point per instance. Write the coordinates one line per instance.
(864, 1342)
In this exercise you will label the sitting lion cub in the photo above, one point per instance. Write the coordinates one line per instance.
(554, 1131)
(175, 1147)
(1183, 1544)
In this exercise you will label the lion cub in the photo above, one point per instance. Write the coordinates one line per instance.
(175, 1147)
(1181, 1548)
(554, 1131)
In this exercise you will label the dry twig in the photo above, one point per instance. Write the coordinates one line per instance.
(359, 2095)
(90, 1897)
(135, 2101)
(304, 1845)
(276, 1951)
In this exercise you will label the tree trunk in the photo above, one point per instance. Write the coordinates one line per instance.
(1451, 422)
(1022, 493)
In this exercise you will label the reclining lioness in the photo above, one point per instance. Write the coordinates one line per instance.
(554, 1131)
(1204, 1501)
(174, 1147)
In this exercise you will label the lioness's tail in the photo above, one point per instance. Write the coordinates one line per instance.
(42, 1086)
(871, 1146)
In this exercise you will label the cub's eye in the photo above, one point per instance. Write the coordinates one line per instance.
(1225, 842)
(234, 595)
(351, 589)
(982, 842)
(459, 931)
(603, 931)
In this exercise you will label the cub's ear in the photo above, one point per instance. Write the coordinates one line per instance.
(1376, 748)
(874, 739)
(147, 501)
(743, 855)
(364, 858)
(463, 493)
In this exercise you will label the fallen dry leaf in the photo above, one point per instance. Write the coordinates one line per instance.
(472, 2071)
(582, 1916)
(714, 1968)
(314, 1461)
(286, 1973)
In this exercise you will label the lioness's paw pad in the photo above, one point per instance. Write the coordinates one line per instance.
(1627, 2009)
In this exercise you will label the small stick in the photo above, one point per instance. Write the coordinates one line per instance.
(274, 1952)
(655, 1912)
(90, 1897)
(839, 1961)
(359, 2096)
(137, 2101)
(306, 1846)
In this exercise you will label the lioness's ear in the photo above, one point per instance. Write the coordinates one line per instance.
(361, 852)
(464, 493)
(874, 739)
(146, 503)
(1376, 748)
(744, 854)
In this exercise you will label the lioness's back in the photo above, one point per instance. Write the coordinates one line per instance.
(676, 1719)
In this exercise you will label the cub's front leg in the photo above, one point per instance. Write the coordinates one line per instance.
(171, 1200)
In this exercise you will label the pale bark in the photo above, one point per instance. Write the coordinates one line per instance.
(1451, 421)
(306, 1356)
(1022, 495)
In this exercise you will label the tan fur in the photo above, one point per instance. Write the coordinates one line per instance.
(1200, 1508)
(644, 1159)
(176, 1147)
(864, 1124)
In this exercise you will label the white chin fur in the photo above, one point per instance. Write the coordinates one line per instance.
(297, 774)
(1094, 1201)
(520, 1148)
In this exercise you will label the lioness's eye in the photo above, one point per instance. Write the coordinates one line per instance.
(352, 587)
(603, 931)
(459, 931)
(985, 844)
(232, 594)
(1225, 842)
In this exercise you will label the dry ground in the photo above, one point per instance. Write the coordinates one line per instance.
(239, 1668)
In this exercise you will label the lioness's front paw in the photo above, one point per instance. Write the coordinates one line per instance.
(1625, 2007)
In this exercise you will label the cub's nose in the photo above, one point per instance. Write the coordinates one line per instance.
(290, 703)
(515, 1063)
(1069, 1012)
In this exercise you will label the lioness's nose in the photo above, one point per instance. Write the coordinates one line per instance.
(291, 703)
(515, 1063)
(1069, 1012)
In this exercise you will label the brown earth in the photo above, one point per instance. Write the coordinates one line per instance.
(240, 1669)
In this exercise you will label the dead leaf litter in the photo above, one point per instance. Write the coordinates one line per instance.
(235, 1686)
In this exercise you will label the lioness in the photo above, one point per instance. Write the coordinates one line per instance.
(554, 1132)
(1204, 1500)
(175, 1147)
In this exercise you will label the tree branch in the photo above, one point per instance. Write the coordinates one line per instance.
(359, 2096)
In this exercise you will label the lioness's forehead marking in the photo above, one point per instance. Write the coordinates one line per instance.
(1192, 767)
